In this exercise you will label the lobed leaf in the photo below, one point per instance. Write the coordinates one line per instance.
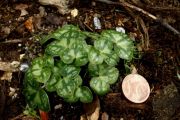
(55, 77)
(68, 70)
(104, 76)
(67, 86)
(37, 98)
(41, 68)
(99, 85)
(84, 94)
(123, 45)
(95, 56)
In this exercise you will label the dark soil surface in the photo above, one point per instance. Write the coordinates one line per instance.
(157, 61)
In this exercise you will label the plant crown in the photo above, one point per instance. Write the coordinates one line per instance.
(58, 70)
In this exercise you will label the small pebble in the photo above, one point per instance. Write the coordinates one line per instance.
(24, 67)
(120, 29)
(97, 23)
(74, 12)
(58, 106)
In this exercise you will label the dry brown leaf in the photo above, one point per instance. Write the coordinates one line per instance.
(22, 8)
(7, 66)
(83, 117)
(104, 116)
(92, 110)
(23, 117)
(29, 24)
(6, 76)
(62, 5)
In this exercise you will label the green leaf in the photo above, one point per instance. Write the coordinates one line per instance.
(111, 59)
(80, 51)
(56, 48)
(95, 57)
(36, 97)
(68, 56)
(94, 69)
(71, 46)
(78, 80)
(29, 90)
(69, 50)
(42, 100)
(68, 70)
(99, 85)
(71, 99)
(41, 68)
(85, 94)
(55, 77)
(42, 74)
(48, 61)
(112, 74)
(66, 87)
(123, 45)
(104, 45)
(104, 76)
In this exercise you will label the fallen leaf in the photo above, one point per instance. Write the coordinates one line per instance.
(37, 19)
(83, 117)
(23, 117)
(6, 76)
(8, 67)
(22, 8)
(92, 109)
(29, 24)
(104, 116)
(61, 5)
(74, 12)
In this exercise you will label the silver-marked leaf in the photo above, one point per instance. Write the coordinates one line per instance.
(84, 94)
(81, 55)
(42, 100)
(123, 45)
(111, 59)
(66, 87)
(68, 70)
(112, 74)
(78, 80)
(95, 57)
(37, 98)
(56, 48)
(99, 85)
(68, 56)
(104, 45)
(55, 77)
(41, 68)
(71, 99)
(42, 74)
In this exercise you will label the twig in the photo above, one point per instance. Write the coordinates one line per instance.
(125, 4)
(13, 41)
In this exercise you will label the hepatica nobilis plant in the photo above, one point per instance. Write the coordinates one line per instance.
(68, 53)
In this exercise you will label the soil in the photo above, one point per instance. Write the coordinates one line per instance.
(157, 58)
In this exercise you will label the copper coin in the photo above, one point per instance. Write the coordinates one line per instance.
(135, 88)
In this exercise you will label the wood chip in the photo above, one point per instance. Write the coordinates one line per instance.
(104, 116)
(6, 76)
(8, 67)
(29, 24)
(92, 110)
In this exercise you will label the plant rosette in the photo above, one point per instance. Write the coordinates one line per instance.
(135, 87)
(70, 52)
